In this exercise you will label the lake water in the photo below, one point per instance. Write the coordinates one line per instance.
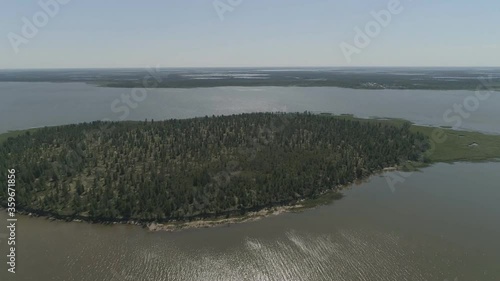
(442, 223)
(25, 105)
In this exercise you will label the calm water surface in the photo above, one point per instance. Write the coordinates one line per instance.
(25, 105)
(440, 224)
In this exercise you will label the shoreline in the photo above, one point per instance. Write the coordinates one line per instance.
(326, 198)
(178, 225)
(216, 222)
(174, 225)
(460, 152)
(186, 84)
(16, 131)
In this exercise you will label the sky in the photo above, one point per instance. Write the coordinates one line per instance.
(248, 33)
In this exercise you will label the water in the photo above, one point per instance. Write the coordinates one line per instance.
(440, 224)
(25, 105)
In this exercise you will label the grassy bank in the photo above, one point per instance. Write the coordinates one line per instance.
(461, 145)
(448, 145)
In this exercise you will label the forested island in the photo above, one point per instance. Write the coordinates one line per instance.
(188, 169)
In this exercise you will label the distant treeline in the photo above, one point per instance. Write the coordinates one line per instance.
(201, 167)
(357, 78)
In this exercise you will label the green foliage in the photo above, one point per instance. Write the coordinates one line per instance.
(201, 167)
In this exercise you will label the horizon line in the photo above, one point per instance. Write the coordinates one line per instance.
(222, 67)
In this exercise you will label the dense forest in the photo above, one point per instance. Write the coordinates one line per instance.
(194, 168)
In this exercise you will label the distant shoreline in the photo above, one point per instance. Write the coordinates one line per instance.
(368, 78)
(187, 85)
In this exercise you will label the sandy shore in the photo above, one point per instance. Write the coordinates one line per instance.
(251, 216)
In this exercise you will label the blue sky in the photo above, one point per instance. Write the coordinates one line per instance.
(126, 33)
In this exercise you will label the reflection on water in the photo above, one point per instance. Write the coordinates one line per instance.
(440, 224)
(26, 105)
(346, 255)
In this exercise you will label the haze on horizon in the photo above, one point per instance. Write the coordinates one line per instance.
(244, 33)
